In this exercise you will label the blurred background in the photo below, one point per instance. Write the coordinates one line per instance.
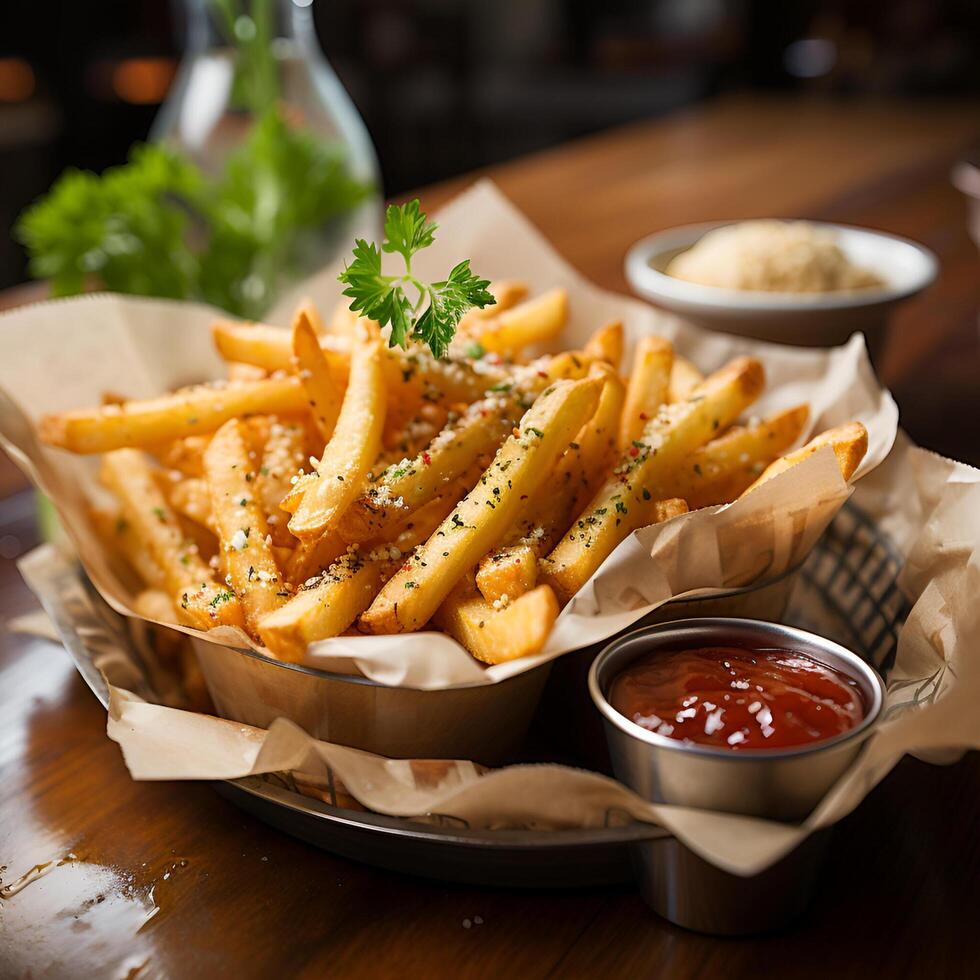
(476, 82)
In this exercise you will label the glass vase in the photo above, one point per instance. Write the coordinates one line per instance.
(254, 81)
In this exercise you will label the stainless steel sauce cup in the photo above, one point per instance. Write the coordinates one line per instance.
(778, 784)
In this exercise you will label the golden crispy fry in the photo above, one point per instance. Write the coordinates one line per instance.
(507, 571)
(309, 362)
(240, 524)
(521, 465)
(849, 442)
(411, 483)
(478, 432)
(282, 457)
(597, 440)
(647, 388)
(496, 635)
(356, 441)
(412, 376)
(684, 378)
(606, 344)
(311, 557)
(330, 602)
(117, 535)
(506, 292)
(189, 412)
(271, 348)
(718, 472)
(245, 372)
(201, 602)
(186, 455)
(530, 322)
(156, 605)
(325, 609)
(644, 473)
(149, 519)
(191, 498)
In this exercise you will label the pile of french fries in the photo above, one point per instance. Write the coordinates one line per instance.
(333, 485)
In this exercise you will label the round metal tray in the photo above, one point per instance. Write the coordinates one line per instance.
(846, 590)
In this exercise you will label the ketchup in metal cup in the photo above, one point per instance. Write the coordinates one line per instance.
(738, 698)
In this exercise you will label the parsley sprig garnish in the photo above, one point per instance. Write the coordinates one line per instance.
(433, 315)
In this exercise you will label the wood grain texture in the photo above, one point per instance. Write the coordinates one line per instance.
(899, 894)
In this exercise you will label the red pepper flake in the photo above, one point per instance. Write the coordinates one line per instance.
(634, 451)
(542, 374)
(427, 459)
(644, 416)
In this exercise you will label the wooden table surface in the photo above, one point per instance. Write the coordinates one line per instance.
(172, 881)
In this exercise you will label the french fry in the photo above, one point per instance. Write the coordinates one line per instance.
(478, 432)
(497, 635)
(270, 348)
(312, 556)
(356, 441)
(684, 378)
(530, 322)
(618, 508)
(189, 412)
(477, 492)
(283, 454)
(328, 603)
(512, 569)
(647, 388)
(245, 372)
(186, 455)
(506, 292)
(191, 498)
(408, 374)
(309, 362)
(481, 518)
(326, 609)
(412, 483)
(239, 520)
(606, 344)
(156, 605)
(201, 602)
(508, 572)
(718, 472)
(597, 440)
(849, 442)
(117, 534)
